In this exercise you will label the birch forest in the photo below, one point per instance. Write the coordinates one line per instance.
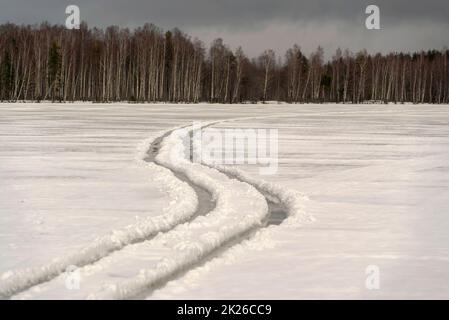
(147, 64)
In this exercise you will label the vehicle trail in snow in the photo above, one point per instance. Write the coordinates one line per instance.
(206, 202)
(281, 204)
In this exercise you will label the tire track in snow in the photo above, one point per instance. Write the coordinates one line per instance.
(205, 205)
(277, 211)
(282, 204)
(206, 202)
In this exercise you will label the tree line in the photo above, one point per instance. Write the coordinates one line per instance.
(146, 64)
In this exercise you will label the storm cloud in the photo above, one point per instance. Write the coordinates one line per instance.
(407, 25)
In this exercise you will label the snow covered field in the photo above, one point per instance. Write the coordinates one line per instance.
(364, 186)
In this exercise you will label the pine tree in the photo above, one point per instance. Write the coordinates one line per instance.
(54, 71)
(168, 66)
(6, 77)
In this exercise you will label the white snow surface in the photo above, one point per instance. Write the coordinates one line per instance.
(370, 184)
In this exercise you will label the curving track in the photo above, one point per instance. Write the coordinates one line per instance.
(206, 227)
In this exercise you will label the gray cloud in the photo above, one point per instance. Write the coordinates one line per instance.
(257, 24)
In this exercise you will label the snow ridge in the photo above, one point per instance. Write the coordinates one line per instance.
(229, 220)
(181, 208)
(223, 225)
(291, 200)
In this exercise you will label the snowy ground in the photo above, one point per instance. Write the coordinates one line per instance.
(377, 179)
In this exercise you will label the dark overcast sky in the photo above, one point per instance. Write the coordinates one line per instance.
(407, 25)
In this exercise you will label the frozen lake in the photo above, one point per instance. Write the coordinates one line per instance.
(377, 179)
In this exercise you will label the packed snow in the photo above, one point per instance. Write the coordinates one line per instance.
(364, 185)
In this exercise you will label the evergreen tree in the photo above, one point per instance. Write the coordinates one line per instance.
(6, 77)
(168, 65)
(54, 71)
